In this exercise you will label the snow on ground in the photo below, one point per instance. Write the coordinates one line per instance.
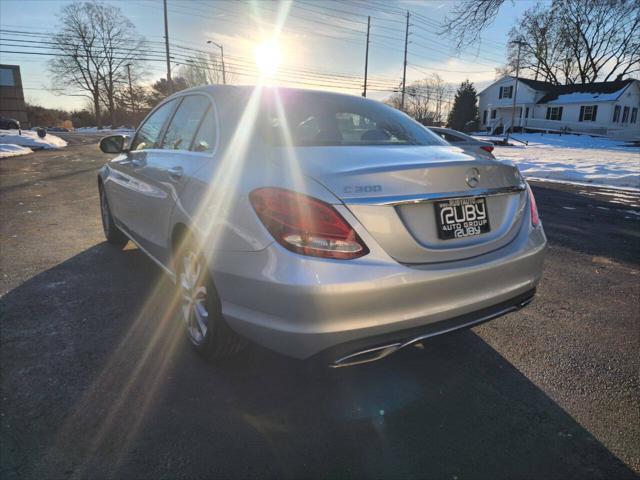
(123, 130)
(577, 159)
(30, 139)
(11, 150)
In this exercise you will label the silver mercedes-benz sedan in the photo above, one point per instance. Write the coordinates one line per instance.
(316, 223)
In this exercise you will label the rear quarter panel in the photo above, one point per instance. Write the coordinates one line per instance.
(215, 203)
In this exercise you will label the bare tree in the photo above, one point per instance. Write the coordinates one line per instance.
(468, 18)
(395, 99)
(602, 35)
(77, 66)
(440, 91)
(419, 99)
(94, 42)
(119, 45)
(578, 41)
(544, 54)
(425, 99)
(204, 70)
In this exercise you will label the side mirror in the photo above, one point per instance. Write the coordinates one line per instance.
(113, 144)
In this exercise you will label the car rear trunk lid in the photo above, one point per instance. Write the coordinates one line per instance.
(392, 192)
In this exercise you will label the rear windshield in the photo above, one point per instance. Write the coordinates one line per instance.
(312, 119)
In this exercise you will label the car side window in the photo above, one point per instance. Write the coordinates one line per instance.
(148, 135)
(185, 123)
(205, 140)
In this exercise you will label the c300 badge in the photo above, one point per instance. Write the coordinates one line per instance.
(362, 188)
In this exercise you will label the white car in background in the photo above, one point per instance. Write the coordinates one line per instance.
(464, 141)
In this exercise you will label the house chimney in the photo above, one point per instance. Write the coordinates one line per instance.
(619, 77)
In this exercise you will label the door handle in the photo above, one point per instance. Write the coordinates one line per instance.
(136, 162)
(175, 172)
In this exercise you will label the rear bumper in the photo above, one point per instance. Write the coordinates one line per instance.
(374, 348)
(301, 306)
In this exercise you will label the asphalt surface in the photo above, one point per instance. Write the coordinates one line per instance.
(81, 138)
(97, 382)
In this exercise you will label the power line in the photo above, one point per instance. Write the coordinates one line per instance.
(344, 20)
(239, 62)
(241, 71)
(184, 56)
(374, 42)
(424, 69)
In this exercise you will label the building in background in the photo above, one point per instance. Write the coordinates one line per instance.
(11, 94)
(601, 108)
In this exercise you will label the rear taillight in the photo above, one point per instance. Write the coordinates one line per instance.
(306, 225)
(535, 218)
(487, 148)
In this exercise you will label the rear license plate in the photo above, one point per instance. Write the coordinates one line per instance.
(462, 217)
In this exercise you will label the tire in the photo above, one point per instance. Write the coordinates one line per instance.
(199, 307)
(111, 232)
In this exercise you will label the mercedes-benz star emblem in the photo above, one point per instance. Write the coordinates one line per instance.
(473, 177)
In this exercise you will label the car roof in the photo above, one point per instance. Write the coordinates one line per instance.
(223, 91)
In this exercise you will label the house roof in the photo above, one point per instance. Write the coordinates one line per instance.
(578, 92)
(537, 84)
(601, 91)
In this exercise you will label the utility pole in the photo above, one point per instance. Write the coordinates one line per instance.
(133, 105)
(366, 57)
(166, 44)
(404, 70)
(224, 75)
(515, 91)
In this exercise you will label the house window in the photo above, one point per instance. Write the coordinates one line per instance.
(484, 117)
(634, 115)
(6, 77)
(588, 113)
(506, 92)
(554, 113)
(493, 114)
(526, 112)
(625, 115)
(616, 114)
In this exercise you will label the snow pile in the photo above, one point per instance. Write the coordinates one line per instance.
(11, 150)
(31, 139)
(574, 159)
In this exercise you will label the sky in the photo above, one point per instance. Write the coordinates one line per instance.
(319, 39)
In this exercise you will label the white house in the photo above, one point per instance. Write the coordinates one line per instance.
(602, 108)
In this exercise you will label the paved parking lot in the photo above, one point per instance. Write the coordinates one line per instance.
(97, 382)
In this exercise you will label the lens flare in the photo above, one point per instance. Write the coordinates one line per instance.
(268, 58)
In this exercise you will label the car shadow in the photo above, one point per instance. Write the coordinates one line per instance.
(98, 381)
(612, 228)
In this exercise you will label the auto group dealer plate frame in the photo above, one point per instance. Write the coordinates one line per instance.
(462, 217)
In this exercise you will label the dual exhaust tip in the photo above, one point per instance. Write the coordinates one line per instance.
(377, 353)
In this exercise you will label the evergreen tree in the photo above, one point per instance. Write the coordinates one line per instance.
(465, 108)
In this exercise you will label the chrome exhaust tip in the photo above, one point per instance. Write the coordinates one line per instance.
(377, 353)
(366, 356)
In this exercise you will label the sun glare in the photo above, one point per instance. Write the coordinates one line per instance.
(268, 58)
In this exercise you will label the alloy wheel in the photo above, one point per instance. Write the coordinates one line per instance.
(104, 213)
(193, 291)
